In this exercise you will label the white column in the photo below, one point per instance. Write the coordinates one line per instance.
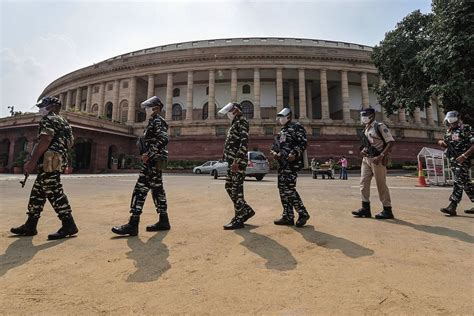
(132, 102)
(291, 95)
(115, 108)
(309, 99)
(150, 90)
(417, 116)
(78, 99)
(302, 94)
(440, 110)
(101, 99)
(61, 99)
(279, 89)
(256, 93)
(169, 97)
(89, 98)
(233, 85)
(346, 110)
(324, 95)
(211, 107)
(189, 96)
(365, 89)
(429, 113)
(402, 119)
(68, 100)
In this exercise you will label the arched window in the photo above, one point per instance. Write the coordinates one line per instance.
(247, 109)
(176, 92)
(177, 112)
(95, 108)
(108, 110)
(246, 89)
(124, 111)
(205, 111)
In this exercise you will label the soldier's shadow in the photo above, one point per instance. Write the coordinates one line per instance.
(437, 230)
(347, 247)
(277, 256)
(21, 251)
(150, 258)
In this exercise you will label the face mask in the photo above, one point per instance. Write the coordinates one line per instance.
(452, 120)
(365, 119)
(149, 111)
(283, 120)
(230, 115)
(43, 111)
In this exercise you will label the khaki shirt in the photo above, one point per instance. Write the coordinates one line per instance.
(374, 137)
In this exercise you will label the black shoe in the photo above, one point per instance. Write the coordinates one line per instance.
(451, 209)
(162, 224)
(385, 214)
(302, 219)
(131, 228)
(68, 228)
(471, 211)
(28, 228)
(234, 224)
(248, 216)
(364, 211)
(284, 220)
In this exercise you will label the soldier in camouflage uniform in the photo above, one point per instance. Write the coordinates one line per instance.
(235, 154)
(50, 156)
(152, 147)
(288, 149)
(459, 141)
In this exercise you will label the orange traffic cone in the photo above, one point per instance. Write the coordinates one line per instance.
(421, 176)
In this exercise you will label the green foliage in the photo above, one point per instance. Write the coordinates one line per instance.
(20, 159)
(183, 164)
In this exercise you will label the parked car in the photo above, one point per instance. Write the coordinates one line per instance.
(257, 166)
(205, 167)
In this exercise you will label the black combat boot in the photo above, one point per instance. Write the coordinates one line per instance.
(162, 224)
(284, 220)
(385, 214)
(131, 228)
(28, 228)
(248, 216)
(451, 209)
(364, 211)
(302, 219)
(68, 228)
(234, 224)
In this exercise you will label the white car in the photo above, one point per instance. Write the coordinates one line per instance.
(257, 166)
(205, 167)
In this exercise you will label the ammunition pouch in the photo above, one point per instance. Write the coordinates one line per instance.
(52, 161)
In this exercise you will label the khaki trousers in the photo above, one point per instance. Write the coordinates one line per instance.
(369, 170)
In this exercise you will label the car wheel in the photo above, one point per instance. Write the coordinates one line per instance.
(314, 175)
(259, 178)
(198, 171)
(214, 174)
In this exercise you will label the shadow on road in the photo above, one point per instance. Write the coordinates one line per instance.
(277, 256)
(21, 251)
(349, 248)
(437, 230)
(150, 258)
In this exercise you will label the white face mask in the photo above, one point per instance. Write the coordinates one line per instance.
(43, 111)
(231, 116)
(365, 119)
(283, 120)
(452, 120)
(149, 111)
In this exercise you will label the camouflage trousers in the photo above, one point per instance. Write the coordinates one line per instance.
(149, 179)
(48, 186)
(461, 182)
(234, 185)
(290, 199)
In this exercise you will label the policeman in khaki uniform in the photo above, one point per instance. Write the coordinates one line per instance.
(50, 156)
(152, 147)
(377, 143)
(235, 154)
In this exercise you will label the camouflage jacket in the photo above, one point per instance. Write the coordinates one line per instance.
(459, 139)
(236, 142)
(156, 137)
(293, 139)
(55, 125)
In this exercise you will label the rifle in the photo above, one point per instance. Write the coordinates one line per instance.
(279, 149)
(365, 143)
(159, 162)
(23, 182)
(450, 150)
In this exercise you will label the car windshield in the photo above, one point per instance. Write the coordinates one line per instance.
(257, 156)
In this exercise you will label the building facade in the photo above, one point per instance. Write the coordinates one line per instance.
(324, 82)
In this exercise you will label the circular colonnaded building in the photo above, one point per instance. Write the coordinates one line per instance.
(324, 82)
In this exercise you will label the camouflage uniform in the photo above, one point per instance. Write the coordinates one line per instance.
(459, 140)
(235, 150)
(293, 140)
(156, 138)
(48, 184)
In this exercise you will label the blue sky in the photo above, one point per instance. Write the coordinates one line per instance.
(42, 40)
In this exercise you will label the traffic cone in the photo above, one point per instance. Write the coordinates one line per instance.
(421, 176)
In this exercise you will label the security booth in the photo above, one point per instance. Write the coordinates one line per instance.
(437, 168)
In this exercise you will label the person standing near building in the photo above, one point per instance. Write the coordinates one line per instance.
(288, 152)
(152, 147)
(235, 154)
(459, 141)
(377, 143)
(50, 157)
(343, 163)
